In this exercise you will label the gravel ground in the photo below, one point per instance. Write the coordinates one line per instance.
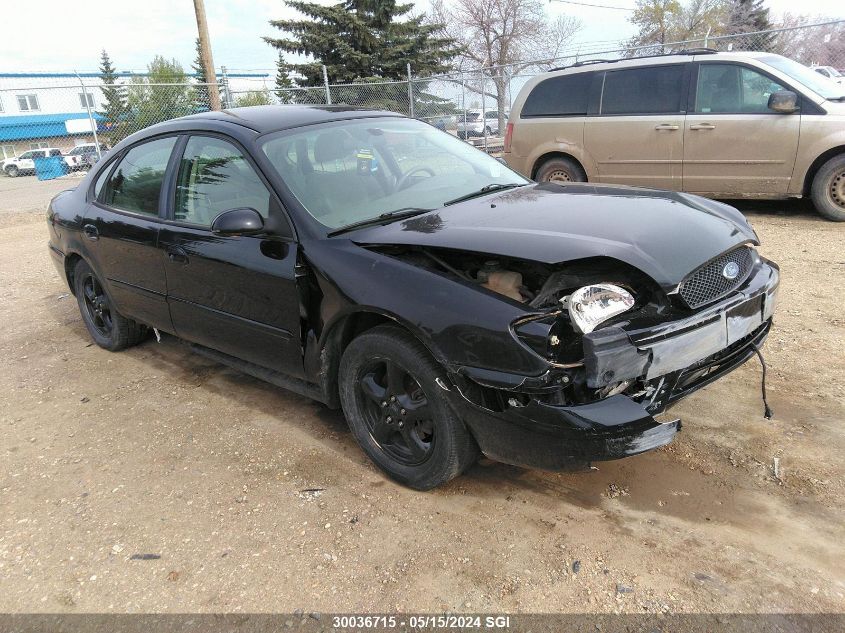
(155, 480)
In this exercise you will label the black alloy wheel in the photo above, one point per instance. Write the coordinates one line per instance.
(393, 396)
(397, 414)
(109, 329)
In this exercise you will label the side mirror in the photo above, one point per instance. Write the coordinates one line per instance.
(784, 101)
(242, 221)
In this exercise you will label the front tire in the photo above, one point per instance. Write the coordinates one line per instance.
(398, 413)
(109, 329)
(12, 171)
(561, 170)
(828, 190)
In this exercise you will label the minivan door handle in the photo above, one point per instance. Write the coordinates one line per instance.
(177, 254)
(702, 126)
(665, 126)
(91, 232)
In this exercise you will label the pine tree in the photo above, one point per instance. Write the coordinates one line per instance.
(201, 98)
(283, 81)
(359, 39)
(749, 16)
(114, 100)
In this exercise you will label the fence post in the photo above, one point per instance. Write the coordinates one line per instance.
(326, 84)
(707, 37)
(410, 93)
(483, 109)
(464, 104)
(91, 120)
(225, 79)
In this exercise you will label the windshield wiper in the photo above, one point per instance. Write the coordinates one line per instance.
(384, 218)
(496, 186)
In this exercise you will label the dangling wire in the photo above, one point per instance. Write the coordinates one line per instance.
(767, 412)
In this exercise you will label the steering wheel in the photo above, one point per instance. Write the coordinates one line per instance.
(403, 181)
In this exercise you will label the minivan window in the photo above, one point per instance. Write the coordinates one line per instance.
(135, 184)
(810, 78)
(566, 95)
(728, 88)
(646, 90)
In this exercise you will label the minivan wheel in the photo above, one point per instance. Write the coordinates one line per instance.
(560, 170)
(828, 191)
(109, 329)
(12, 171)
(398, 412)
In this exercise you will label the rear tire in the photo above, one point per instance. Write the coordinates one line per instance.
(398, 413)
(109, 329)
(12, 171)
(828, 190)
(560, 170)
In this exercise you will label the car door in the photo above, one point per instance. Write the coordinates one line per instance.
(733, 143)
(27, 159)
(121, 227)
(636, 137)
(235, 294)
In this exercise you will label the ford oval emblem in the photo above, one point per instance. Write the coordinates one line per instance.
(730, 271)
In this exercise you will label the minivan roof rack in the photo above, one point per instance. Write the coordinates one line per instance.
(683, 51)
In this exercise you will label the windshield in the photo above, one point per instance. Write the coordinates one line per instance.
(816, 82)
(353, 171)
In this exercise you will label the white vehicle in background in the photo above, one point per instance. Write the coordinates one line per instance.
(830, 72)
(86, 155)
(25, 163)
(474, 124)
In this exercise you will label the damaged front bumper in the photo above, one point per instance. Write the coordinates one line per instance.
(678, 357)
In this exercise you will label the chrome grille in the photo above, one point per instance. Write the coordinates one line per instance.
(708, 283)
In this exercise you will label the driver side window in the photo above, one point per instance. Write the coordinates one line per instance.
(732, 89)
(215, 177)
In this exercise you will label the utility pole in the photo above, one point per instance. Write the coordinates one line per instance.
(207, 59)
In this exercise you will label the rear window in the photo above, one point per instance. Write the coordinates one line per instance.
(648, 90)
(559, 96)
(472, 116)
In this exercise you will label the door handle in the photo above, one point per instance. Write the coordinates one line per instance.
(177, 254)
(91, 232)
(702, 126)
(665, 126)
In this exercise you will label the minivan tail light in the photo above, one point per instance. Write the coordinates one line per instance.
(508, 137)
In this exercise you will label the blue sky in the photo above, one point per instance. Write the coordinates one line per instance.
(62, 35)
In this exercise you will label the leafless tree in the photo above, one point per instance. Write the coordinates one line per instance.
(503, 37)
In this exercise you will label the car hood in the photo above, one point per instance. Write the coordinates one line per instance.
(665, 234)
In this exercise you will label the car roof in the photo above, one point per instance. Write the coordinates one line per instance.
(271, 118)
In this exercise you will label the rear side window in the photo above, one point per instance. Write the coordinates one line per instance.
(559, 96)
(648, 90)
(135, 184)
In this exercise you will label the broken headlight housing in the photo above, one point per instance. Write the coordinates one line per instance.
(589, 306)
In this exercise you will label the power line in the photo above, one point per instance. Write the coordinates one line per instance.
(595, 6)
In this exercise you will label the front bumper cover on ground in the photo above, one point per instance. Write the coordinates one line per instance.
(684, 355)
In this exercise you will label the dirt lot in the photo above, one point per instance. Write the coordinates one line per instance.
(158, 451)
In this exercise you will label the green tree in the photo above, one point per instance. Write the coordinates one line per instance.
(749, 16)
(114, 100)
(163, 95)
(283, 80)
(200, 92)
(359, 39)
(253, 98)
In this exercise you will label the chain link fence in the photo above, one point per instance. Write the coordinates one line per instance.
(78, 117)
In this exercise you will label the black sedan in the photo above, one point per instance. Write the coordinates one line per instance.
(448, 305)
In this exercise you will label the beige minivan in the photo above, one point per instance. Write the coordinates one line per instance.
(723, 125)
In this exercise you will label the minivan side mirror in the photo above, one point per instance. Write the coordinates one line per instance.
(241, 221)
(784, 101)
